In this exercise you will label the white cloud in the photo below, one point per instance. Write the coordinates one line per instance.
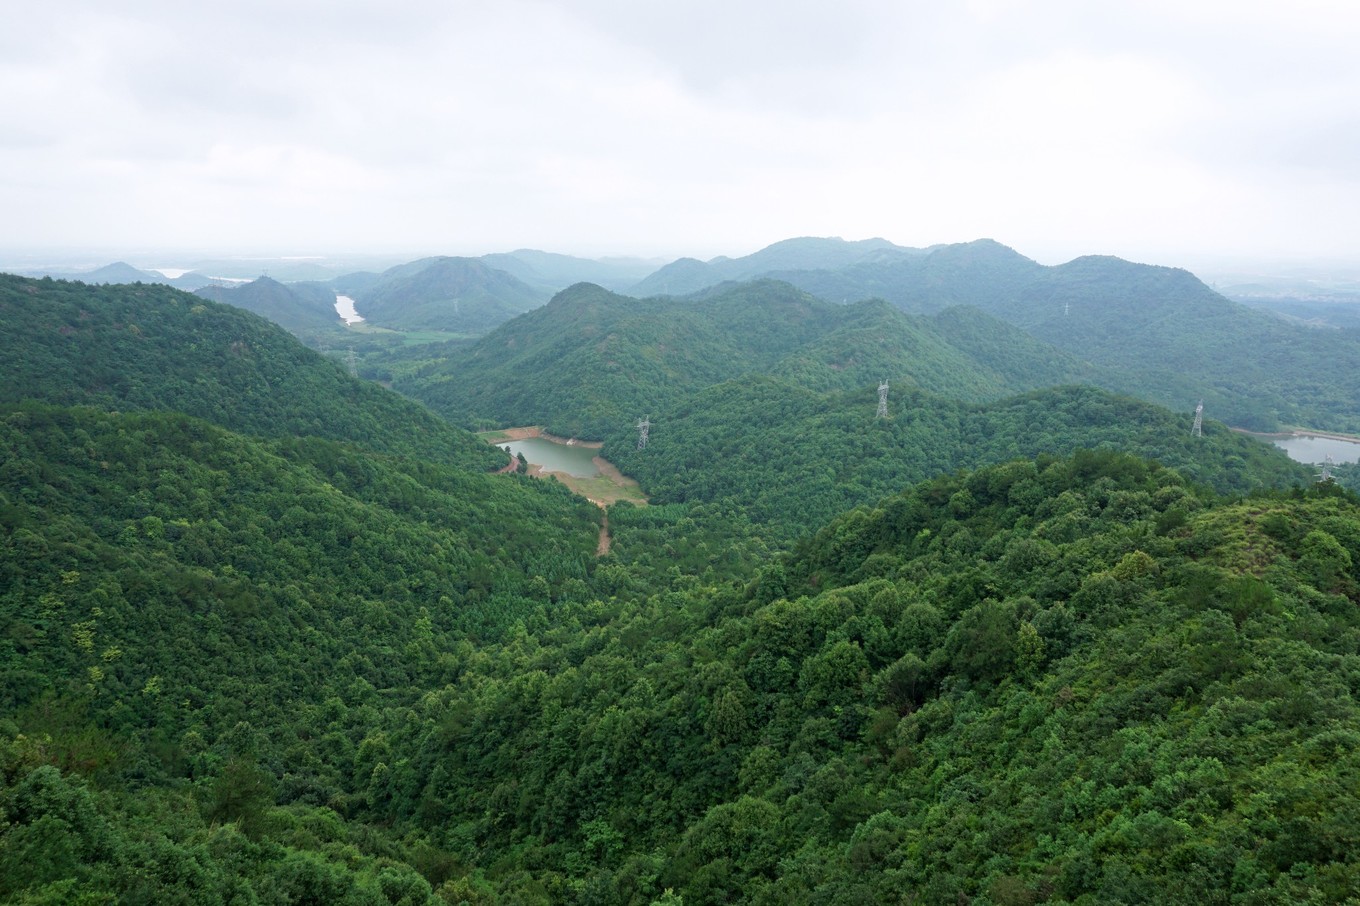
(1152, 130)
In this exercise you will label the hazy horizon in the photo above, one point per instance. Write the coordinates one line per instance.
(80, 259)
(1159, 132)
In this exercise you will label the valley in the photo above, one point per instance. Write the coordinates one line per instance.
(270, 632)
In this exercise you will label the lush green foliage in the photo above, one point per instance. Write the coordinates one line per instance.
(309, 651)
(150, 347)
(792, 459)
(227, 619)
(591, 362)
(1067, 681)
(1171, 337)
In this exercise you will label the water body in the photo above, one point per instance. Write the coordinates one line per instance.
(1315, 450)
(572, 459)
(344, 306)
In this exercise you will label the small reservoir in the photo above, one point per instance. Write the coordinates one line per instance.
(1312, 449)
(573, 459)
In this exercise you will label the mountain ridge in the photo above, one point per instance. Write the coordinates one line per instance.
(156, 348)
(590, 360)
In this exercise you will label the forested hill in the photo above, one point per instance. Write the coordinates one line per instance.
(591, 361)
(1253, 369)
(791, 459)
(1176, 337)
(202, 633)
(1071, 681)
(449, 294)
(151, 347)
(303, 309)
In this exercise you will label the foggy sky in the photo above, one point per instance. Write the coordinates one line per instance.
(1168, 132)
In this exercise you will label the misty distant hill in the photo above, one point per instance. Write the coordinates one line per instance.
(552, 272)
(121, 272)
(117, 272)
(298, 308)
(689, 275)
(451, 294)
(285, 270)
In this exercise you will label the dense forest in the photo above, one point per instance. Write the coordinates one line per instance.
(1162, 334)
(801, 458)
(273, 635)
(592, 360)
(144, 346)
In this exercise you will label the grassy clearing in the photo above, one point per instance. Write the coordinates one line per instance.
(604, 490)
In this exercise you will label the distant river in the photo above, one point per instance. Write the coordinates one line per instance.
(344, 306)
(573, 459)
(1314, 450)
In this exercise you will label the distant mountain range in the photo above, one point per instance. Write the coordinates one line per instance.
(120, 272)
(1175, 339)
(552, 272)
(1158, 333)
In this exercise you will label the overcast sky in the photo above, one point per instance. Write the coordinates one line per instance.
(1166, 131)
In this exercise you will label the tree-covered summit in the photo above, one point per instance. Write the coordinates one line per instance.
(445, 293)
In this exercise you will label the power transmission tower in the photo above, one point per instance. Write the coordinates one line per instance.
(353, 363)
(643, 427)
(1197, 430)
(882, 400)
(1325, 473)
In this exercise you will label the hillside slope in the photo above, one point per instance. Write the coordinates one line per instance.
(199, 628)
(791, 459)
(592, 361)
(156, 348)
(449, 294)
(299, 308)
(1071, 681)
(1159, 332)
